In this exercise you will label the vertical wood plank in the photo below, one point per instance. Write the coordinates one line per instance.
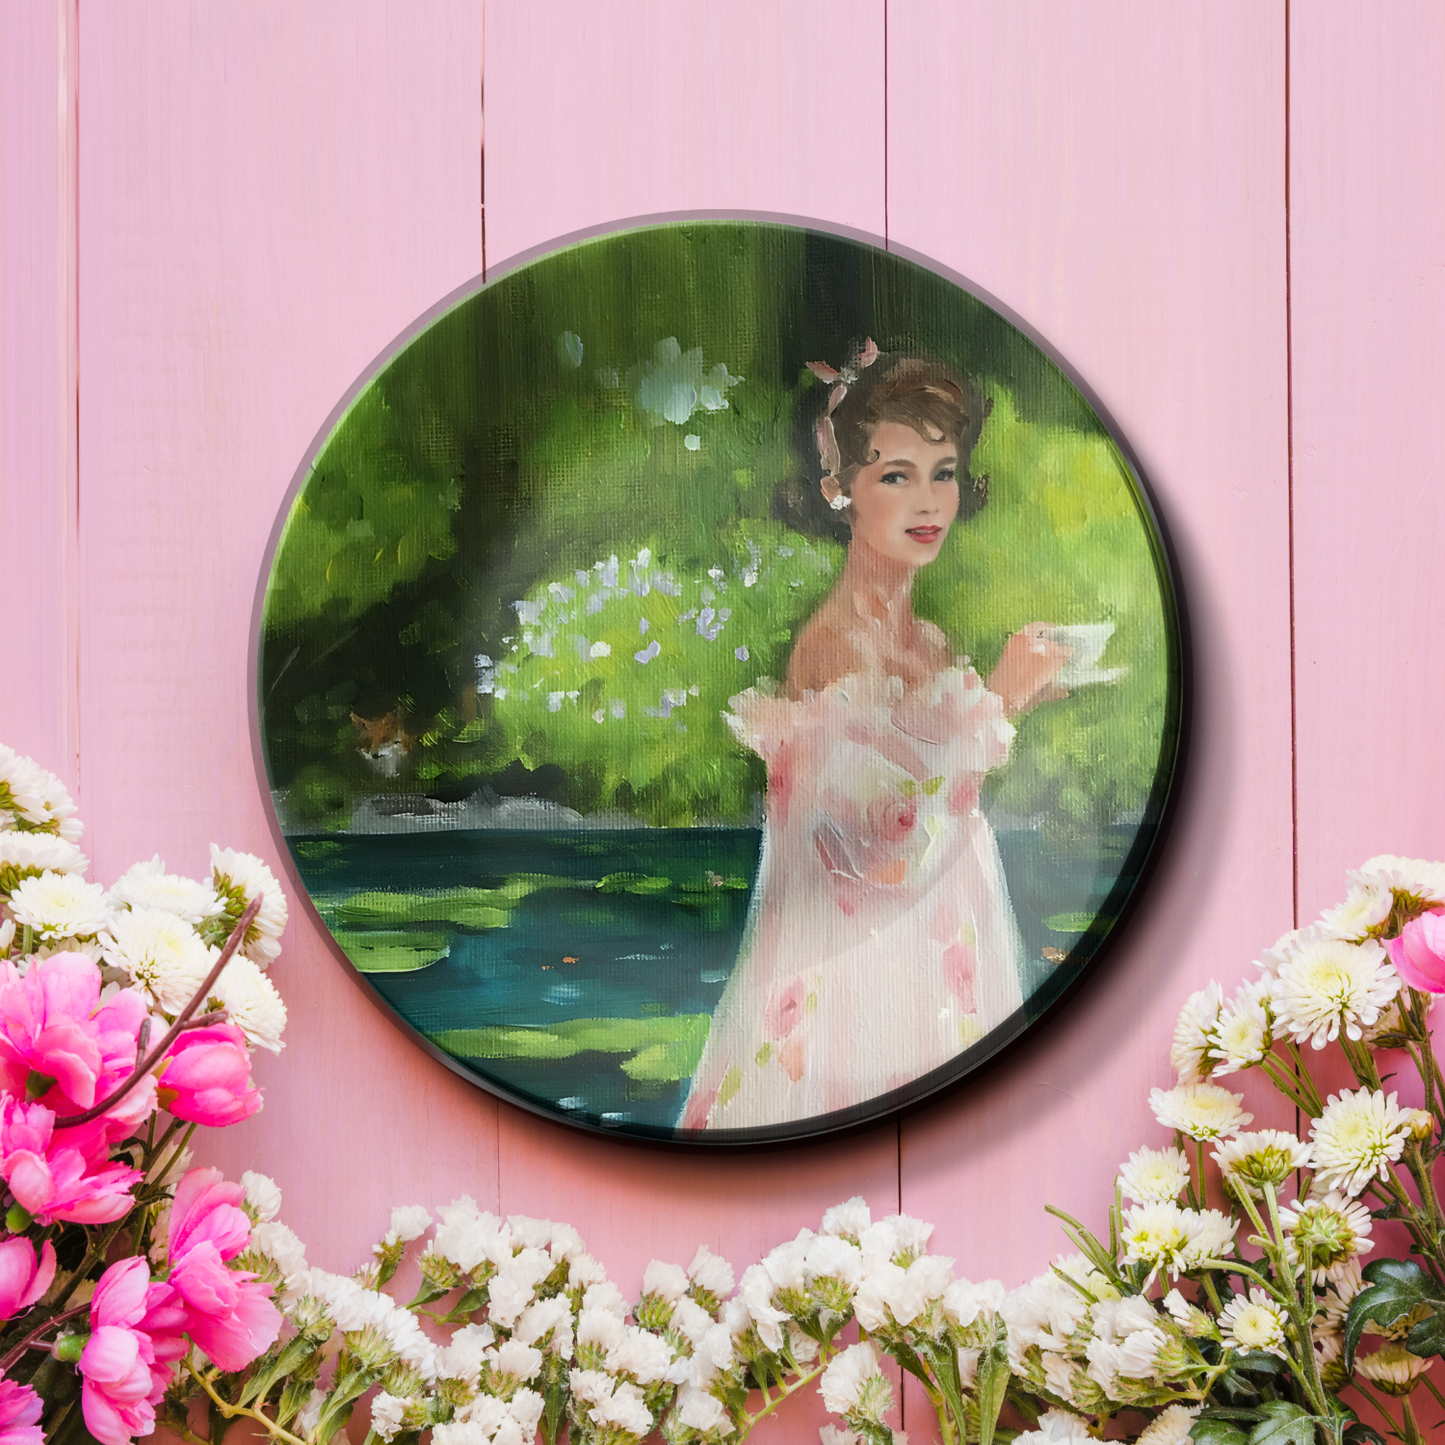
(598, 112)
(37, 378)
(1115, 175)
(268, 195)
(1367, 238)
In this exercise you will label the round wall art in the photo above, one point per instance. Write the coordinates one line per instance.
(719, 681)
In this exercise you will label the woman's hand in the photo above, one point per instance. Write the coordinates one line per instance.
(1026, 671)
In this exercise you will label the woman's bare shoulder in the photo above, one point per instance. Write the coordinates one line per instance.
(824, 653)
(935, 643)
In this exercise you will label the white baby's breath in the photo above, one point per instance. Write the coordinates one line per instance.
(1202, 1111)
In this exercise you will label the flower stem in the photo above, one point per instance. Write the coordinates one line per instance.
(230, 1411)
(33, 1338)
(183, 1021)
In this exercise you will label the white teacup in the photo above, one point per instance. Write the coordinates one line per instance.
(1086, 643)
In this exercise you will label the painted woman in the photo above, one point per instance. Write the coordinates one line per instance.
(881, 941)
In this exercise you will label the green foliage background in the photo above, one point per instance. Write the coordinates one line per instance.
(477, 498)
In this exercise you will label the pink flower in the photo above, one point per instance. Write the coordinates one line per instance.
(206, 1078)
(892, 818)
(1419, 952)
(122, 1382)
(227, 1312)
(61, 1175)
(785, 1009)
(54, 1026)
(20, 1409)
(23, 1279)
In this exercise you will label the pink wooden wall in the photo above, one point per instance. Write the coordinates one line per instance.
(1228, 218)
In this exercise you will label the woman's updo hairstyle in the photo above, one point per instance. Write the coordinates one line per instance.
(932, 398)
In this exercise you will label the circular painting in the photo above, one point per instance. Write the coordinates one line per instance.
(719, 682)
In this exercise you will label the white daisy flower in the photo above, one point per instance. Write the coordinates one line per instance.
(854, 1384)
(240, 877)
(1415, 877)
(59, 905)
(1202, 1111)
(1359, 1135)
(1194, 1033)
(1339, 1295)
(19, 783)
(28, 855)
(1331, 985)
(1167, 1237)
(148, 885)
(1366, 906)
(1172, 1426)
(162, 953)
(1269, 1156)
(1254, 1323)
(1244, 1033)
(252, 1002)
(1392, 1368)
(1152, 1176)
(37, 796)
(1336, 1229)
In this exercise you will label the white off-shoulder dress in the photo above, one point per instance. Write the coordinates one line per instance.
(881, 941)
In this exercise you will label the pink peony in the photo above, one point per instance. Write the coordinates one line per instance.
(206, 1077)
(54, 1026)
(61, 1174)
(227, 1312)
(20, 1409)
(1419, 952)
(123, 1384)
(23, 1278)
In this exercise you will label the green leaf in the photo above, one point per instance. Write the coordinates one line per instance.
(1284, 1423)
(1397, 1286)
(991, 1383)
(1427, 1337)
(1217, 1432)
(1358, 1433)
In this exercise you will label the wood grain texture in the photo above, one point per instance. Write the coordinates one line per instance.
(1115, 175)
(269, 194)
(1367, 228)
(37, 377)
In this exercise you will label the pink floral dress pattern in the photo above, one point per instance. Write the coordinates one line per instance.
(881, 940)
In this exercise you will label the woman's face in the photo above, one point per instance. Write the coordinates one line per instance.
(904, 503)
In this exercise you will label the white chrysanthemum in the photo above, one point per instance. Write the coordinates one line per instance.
(161, 952)
(1331, 986)
(1245, 1030)
(1058, 1427)
(148, 885)
(1194, 1033)
(252, 1003)
(1190, 1318)
(1392, 1368)
(711, 1272)
(1253, 1323)
(38, 796)
(59, 905)
(262, 1194)
(1268, 1156)
(7, 936)
(1172, 1426)
(1340, 1294)
(1286, 946)
(854, 1384)
(27, 855)
(238, 878)
(1167, 1237)
(1202, 1111)
(1336, 1229)
(408, 1222)
(1151, 1176)
(1413, 876)
(1359, 1135)
(1366, 906)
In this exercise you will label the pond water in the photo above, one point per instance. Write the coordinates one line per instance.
(576, 969)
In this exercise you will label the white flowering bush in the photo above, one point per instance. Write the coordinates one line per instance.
(1234, 1298)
